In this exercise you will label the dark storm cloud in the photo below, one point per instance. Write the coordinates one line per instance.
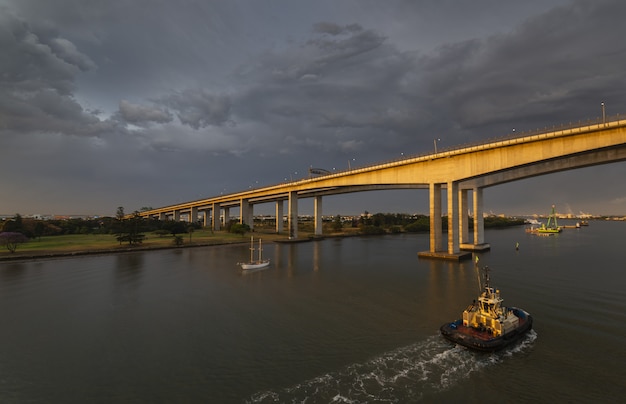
(346, 86)
(37, 82)
(140, 115)
(29, 63)
(199, 109)
(536, 72)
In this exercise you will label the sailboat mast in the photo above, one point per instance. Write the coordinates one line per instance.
(260, 249)
(252, 249)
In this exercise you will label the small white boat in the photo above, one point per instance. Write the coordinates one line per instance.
(254, 264)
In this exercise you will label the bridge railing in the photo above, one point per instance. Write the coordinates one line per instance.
(607, 121)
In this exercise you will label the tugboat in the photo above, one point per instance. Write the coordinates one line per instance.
(487, 325)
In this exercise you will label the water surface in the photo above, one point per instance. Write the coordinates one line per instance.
(337, 320)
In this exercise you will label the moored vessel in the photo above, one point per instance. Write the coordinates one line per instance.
(486, 325)
(552, 227)
(259, 263)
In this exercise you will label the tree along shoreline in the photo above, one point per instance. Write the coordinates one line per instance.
(75, 245)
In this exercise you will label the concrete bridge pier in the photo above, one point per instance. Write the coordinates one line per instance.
(246, 213)
(479, 224)
(435, 218)
(215, 216)
(226, 215)
(292, 217)
(317, 213)
(453, 251)
(479, 221)
(453, 217)
(279, 217)
(193, 214)
(463, 217)
(205, 219)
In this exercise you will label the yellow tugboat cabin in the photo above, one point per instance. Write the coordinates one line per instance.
(489, 315)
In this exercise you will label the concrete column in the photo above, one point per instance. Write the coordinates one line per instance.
(435, 217)
(279, 217)
(176, 215)
(226, 216)
(162, 216)
(293, 214)
(215, 216)
(205, 218)
(317, 208)
(479, 224)
(463, 219)
(453, 217)
(245, 213)
(193, 215)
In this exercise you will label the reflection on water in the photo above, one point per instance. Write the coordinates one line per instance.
(343, 320)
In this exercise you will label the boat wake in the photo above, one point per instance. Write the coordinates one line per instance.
(412, 373)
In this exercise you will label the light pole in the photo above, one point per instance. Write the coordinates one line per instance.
(603, 114)
(349, 166)
(435, 143)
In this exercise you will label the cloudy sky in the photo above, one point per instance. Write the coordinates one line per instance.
(140, 103)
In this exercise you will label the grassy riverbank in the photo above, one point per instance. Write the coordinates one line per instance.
(82, 244)
(78, 244)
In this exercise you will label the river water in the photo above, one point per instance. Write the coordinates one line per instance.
(339, 320)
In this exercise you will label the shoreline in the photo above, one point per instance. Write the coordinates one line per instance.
(123, 250)
(273, 238)
(27, 256)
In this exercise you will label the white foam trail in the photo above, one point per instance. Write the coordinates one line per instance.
(405, 374)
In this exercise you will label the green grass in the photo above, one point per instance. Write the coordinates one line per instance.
(86, 243)
(107, 242)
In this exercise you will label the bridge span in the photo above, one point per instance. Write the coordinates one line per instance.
(457, 171)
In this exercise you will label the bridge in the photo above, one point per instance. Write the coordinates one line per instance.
(458, 171)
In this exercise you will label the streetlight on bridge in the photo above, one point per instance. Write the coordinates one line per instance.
(435, 143)
(603, 114)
